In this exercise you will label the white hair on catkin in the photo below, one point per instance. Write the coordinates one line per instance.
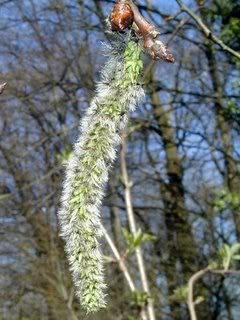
(117, 93)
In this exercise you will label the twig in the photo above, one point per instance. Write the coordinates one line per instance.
(133, 228)
(120, 261)
(191, 283)
(226, 272)
(125, 14)
(190, 301)
(153, 45)
(206, 31)
(121, 264)
(2, 87)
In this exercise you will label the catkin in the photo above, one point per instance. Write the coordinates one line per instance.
(117, 93)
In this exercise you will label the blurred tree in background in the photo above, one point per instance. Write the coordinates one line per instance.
(182, 155)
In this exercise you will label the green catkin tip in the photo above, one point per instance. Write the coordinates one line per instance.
(87, 171)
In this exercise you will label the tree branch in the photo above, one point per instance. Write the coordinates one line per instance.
(120, 261)
(190, 301)
(122, 265)
(124, 14)
(206, 31)
(191, 283)
(133, 228)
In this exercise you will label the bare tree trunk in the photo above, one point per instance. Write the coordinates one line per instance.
(231, 171)
(181, 243)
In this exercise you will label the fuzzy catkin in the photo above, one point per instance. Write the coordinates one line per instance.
(87, 172)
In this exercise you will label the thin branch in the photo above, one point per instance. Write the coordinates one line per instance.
(133, 228)
(120, 261)
(2, 87)
(191, 301)
(191, 283)
(226, 272)
(152, 44)
(125, 14)
(121, 264)
(206, 31)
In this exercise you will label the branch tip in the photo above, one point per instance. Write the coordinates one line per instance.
(125, 14)
(2, 87)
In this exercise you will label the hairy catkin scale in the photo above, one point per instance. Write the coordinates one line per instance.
(87, 171)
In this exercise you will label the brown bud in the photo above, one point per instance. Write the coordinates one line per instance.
(157, 49)
(160, 52)
(122, 16)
